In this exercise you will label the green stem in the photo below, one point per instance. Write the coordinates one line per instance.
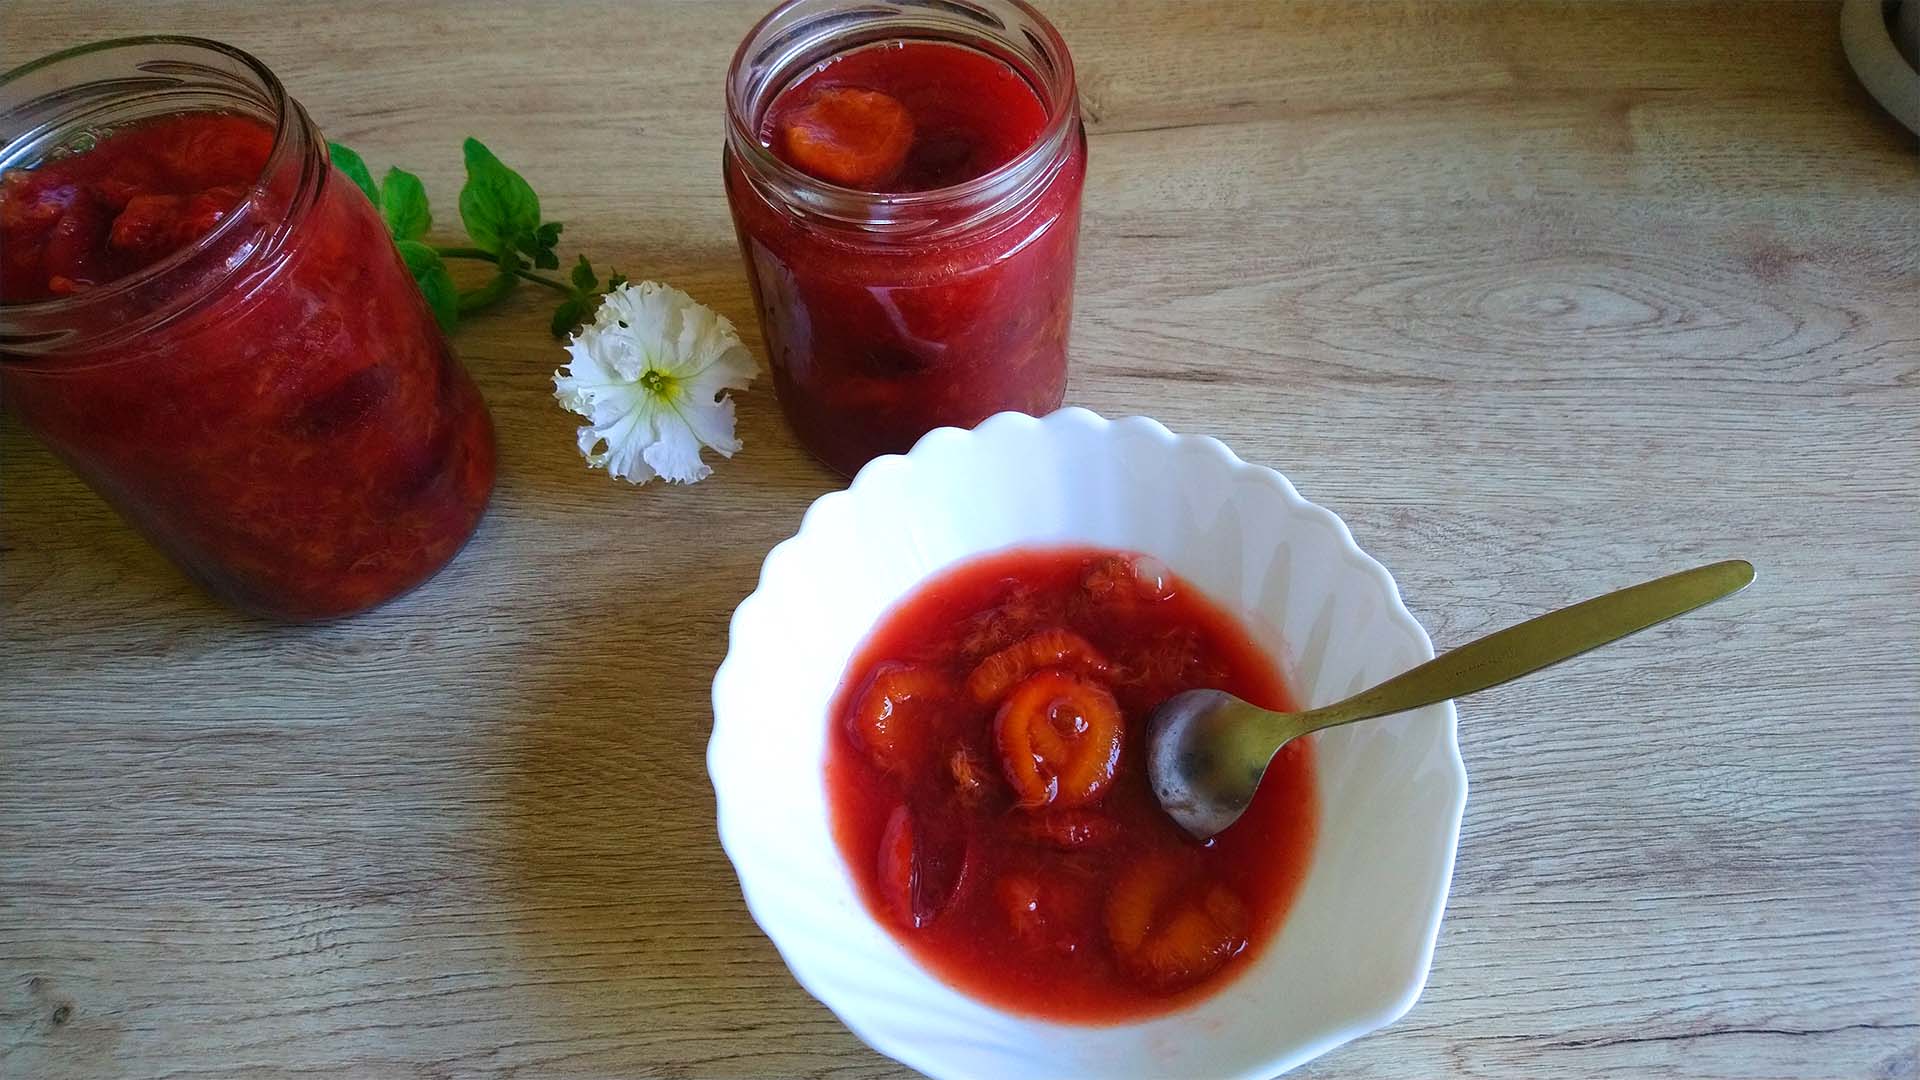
(537, 279)
(488, 256)
(485, 295)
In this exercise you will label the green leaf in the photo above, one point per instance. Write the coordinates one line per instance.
(497, 205)
(355, 168)
(544, 238)
(403, 202)
(584, 278)
(616, 280)
(434, 281)
(567, 316)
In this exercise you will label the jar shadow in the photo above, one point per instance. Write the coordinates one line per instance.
(632, 928)
(68, 555)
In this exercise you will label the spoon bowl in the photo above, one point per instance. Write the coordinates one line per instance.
(1204, 757)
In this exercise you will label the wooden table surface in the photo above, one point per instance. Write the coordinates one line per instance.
(1542, 299)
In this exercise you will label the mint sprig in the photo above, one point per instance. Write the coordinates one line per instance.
(403, 202)
(436, 284)
(586, 296)
(501, 215)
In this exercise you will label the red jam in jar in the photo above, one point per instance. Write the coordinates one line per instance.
(904, 116)
(906, 192)
(141, 194)
(986, 776)
(213, 328)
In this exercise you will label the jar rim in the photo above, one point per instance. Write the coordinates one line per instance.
(278, 103)
(853, 205)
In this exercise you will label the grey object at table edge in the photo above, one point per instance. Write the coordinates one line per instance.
(1882, 42)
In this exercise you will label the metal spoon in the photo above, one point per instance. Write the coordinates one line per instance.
(1207, 750)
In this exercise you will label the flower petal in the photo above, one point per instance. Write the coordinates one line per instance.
(676, 456)
(712, 424)
(731, 369)
(640, 309)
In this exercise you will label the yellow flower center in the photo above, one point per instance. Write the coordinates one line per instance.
(659, 384)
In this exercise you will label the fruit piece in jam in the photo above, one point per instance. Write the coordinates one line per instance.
(1012, 842)
(847, 136)
(140, 194)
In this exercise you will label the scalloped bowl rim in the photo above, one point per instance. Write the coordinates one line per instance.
(732, 666)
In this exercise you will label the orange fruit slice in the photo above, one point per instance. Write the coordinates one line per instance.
(848, 136)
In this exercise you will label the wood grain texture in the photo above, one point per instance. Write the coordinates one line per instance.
(1541, 298)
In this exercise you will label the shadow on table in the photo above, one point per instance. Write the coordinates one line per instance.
(628, 915)
(67, 559)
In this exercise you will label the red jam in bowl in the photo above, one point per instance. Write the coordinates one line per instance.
(987, 782)
(295, 434)
(876, 336)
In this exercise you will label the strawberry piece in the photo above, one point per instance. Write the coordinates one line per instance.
(879, 722)
(207, 209)
(848, 136)
(1059, 740)
(154, 225)
(896, 865)
(26, 206)
(1068, 830)
(1018, 615)
(970, 775)
(1126, 580)
(1042, 913)
(74, 246)
(219, 151)
(149, 224)
(1055, 648)
(923, 862)
(1019, 897)
(1169, 930)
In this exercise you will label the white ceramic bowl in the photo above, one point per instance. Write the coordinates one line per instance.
(1353, 951)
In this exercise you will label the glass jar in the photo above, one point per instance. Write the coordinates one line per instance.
(889, 314)
(271, 404)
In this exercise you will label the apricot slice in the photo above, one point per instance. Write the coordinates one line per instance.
(922, 865)
(881, 722)
(1055, 648)
(848, 136)
(1170, 931)
(1059, 740)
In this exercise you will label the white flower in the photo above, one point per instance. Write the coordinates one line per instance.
(648, 376)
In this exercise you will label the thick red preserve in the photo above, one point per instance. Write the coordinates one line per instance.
(212, 327)
(986, 776)
(905, 186)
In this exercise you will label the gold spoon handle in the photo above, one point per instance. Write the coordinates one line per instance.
(1537, 643)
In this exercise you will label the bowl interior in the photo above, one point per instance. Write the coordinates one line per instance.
(1354, 949)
